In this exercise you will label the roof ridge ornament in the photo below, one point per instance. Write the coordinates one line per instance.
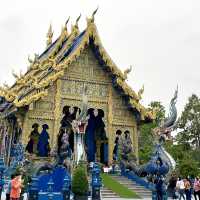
(64, 29)
(67, 21)
(49, 36)
(141, 92)
(77, 20)
(75, 28)
(90, 20)
(127, 71)
(94, 13)
(15, 74)
(6, 86)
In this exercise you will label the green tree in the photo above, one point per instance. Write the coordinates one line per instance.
(157, 107)
(188, 167)
(188, 125)
(80, 181)
(146, 139)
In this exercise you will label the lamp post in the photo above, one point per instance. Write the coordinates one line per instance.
(66, 188)
(96, 182)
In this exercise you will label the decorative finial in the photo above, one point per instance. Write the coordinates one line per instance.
(94, 13)
(49, 36)
(64, 31)
(67, 21)
(15, 75)
(20, 73)
(5, 85)
(127, 71)
(30, 60)
(36, 57)
(140, 92)
(77, 20)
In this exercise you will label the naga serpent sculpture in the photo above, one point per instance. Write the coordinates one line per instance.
(160, 156)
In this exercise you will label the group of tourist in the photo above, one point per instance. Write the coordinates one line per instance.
(185, 188)
(39, 142)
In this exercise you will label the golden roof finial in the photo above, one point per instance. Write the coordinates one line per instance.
(15, 74)
(77, 20)
(127, 71)
(36, 58)
(30, 60)
(94, 13)
(6, 86)
(67, 21)
(91, 19)
(75, 28)
(64, 30)
(49, 36)
(141, 92)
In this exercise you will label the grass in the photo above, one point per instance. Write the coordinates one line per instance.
(117, 188)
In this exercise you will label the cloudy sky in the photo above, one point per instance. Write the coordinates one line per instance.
(160, 38)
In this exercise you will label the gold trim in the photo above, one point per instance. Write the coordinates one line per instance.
(57, 111)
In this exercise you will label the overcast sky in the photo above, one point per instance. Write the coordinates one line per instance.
(160, 38)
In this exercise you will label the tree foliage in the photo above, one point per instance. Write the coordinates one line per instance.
(186, 148)
(80, 181)
(146, 139)
(188, 125)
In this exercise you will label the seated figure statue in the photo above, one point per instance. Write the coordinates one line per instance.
(127, 157)
(43, 143)
(33, 141)
(64, 150)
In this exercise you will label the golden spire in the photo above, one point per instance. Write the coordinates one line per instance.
(49, 36)
(127, 71)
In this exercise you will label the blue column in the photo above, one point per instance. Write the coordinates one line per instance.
(96, 182)
(66, 188)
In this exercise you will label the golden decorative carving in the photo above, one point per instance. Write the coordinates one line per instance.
(29, 99)
(91, 32)
(57, 110)
(110, 121)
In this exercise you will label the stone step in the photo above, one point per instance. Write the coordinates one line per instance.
(140, 190)
(107, 193)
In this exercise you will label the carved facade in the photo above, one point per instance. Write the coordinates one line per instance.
(52, 83)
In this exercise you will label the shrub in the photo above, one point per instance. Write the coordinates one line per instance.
(80, 181)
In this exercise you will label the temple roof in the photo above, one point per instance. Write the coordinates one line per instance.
(51, 64)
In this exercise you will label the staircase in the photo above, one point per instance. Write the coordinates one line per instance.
(108, 194)
(139, 190)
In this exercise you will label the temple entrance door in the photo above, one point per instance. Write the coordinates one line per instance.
(96, 140)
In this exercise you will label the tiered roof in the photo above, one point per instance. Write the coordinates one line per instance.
(46, 68)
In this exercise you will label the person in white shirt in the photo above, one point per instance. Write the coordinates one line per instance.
(180, 185)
